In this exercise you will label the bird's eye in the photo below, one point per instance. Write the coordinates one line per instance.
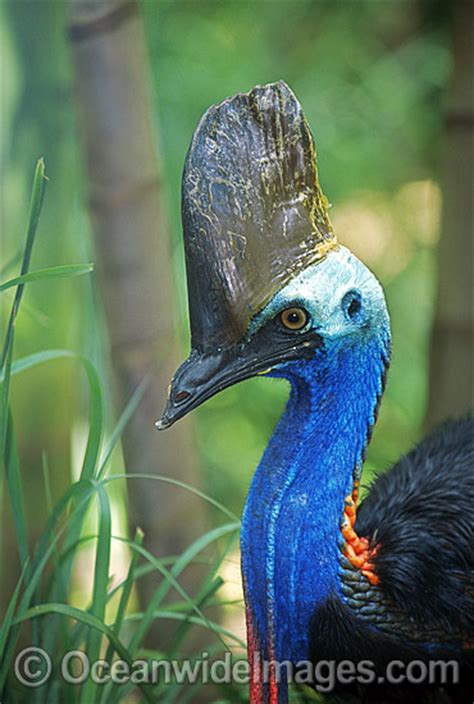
(352, 304)
(294, 318)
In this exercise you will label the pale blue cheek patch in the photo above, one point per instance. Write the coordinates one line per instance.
(321, 289)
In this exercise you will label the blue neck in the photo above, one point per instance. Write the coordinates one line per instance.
(292, 518)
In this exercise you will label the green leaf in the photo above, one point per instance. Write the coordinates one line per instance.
(100, 584)
(12, 469)
(8, 619)
(91, 456)
(127, 413)
(180, 484)
(198, 620)
(202, 600)
(5, 376)
(127, 586)
(57, 628)
(32, 360)
(36, 202)
(54, 272)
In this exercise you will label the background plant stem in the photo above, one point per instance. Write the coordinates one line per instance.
(451, 390)
(114, 109)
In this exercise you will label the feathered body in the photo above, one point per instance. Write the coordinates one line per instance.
(418, 515)
(324, 579)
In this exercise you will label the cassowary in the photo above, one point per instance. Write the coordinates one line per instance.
(271, 292)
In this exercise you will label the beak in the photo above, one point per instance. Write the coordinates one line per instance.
(204, 374)
(200, 377)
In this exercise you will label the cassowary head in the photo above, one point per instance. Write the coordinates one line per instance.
(268, 285)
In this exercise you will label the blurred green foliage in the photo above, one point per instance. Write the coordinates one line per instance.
(370, 76)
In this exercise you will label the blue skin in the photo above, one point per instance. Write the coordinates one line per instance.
(292, 518)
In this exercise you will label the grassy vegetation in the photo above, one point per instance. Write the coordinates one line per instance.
(109, 626)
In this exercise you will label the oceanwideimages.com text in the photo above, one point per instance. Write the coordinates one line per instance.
(34, 667)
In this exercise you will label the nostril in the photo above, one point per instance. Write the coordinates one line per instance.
(181, 396)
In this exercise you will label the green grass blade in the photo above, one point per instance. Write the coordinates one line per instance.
(91, 455)
(197, 620)
(127, 587)
(47, 484)
(90, 461)
(201, 543)
(5, 376)
(100, 584)
(178, 483)
(36, 202)
(127, 413)
(216, 563)
(143, 570)
(8, 619)
(37, 196)
(202, 600)
(55, 583)
(53, 272)
(32, 360)
(127, 584)
(15, 490)
(93, 443)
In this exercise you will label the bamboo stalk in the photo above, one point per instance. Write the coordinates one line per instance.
(114, 107)
(451, 362)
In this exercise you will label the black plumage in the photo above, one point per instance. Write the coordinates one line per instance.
(419, 515)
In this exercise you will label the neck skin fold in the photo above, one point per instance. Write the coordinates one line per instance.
(292, 519)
